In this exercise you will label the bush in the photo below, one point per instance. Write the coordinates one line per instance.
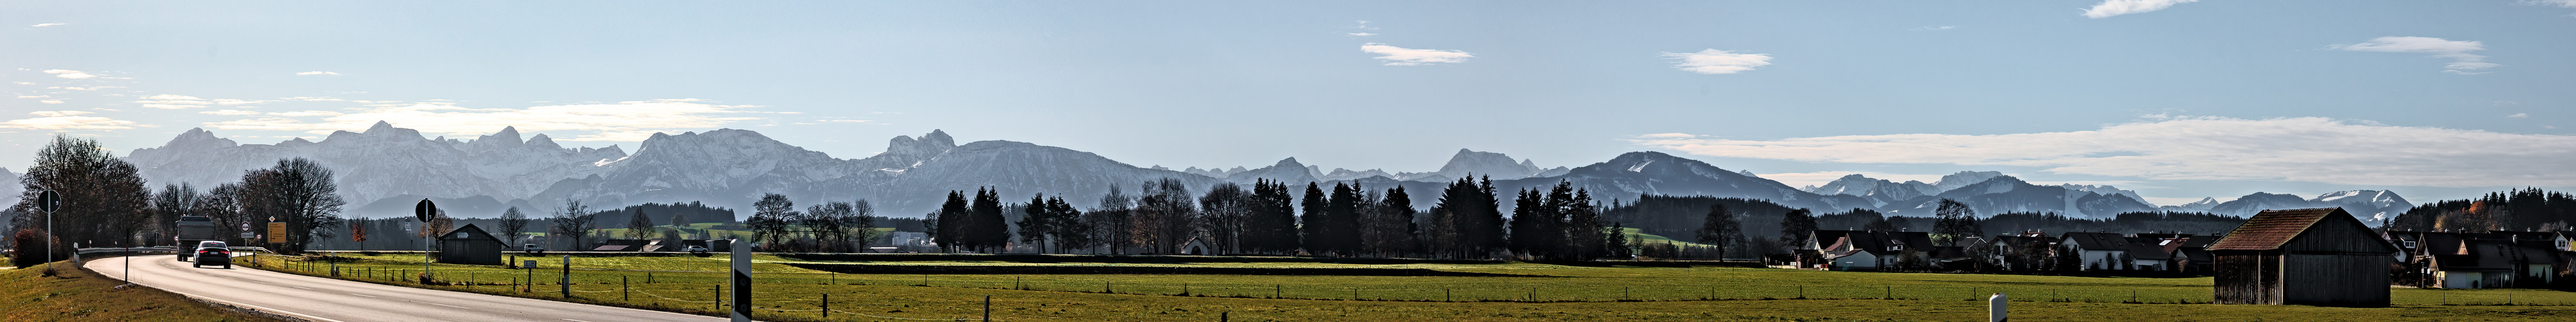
(32, 250)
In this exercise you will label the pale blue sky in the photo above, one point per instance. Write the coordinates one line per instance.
(1984, 85)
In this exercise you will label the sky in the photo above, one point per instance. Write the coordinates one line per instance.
(2176, 99)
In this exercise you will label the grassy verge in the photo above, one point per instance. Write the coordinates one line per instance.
(787, 293)
(79, 295)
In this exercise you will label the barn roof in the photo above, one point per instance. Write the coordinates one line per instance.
(2271, 228)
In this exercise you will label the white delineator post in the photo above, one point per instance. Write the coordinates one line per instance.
(741, 281)
(1995, 308)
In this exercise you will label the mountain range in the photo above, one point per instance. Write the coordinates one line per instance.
(384, 169)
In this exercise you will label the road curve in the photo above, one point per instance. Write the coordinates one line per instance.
(323, 299)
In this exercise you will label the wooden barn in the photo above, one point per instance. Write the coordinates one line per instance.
(2321, 257)
(470, 245)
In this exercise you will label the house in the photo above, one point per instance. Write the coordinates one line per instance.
(1851, 250)
(2480, 260)
(2320, 256)
(2148, 254)
(2191, 254)
(470, 245)
(2097, 251)
(2021, 252)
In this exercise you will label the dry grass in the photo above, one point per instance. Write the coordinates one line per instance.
(79, 295)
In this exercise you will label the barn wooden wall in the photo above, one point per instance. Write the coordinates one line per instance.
(2347, 280)
(2247, 277)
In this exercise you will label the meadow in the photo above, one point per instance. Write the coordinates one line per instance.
(787, 292)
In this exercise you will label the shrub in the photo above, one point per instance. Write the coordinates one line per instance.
(32, 249)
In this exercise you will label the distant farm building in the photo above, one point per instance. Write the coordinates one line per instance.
(470, 245)
(2319, 256)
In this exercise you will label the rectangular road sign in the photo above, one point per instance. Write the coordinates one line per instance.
(277, 232)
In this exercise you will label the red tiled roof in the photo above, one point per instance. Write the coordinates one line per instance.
(2271, 228)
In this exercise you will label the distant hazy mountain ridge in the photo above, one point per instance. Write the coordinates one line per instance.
(384, 169)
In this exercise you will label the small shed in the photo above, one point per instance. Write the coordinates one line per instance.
(2320, 256)
(470, 245)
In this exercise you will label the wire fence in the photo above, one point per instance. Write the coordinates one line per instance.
(807, 296)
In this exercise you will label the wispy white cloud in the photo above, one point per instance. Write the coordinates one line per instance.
(2462, 62)
(2109, 8)
(172, 102)
(35, 96)
(621, 121)
(230, 112)
(68, 120)
(1362, 34)
(91, 88)
(310, 73)
(1400, 56)
(72, 74)
(51, 101)
(2519, 115)
(311, 99)
(1935, 28)
(2308, 149)
(1714, 61)
(49, 24)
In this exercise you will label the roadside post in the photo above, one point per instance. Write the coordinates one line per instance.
(1995, 308)
(741, 281)
(566, 279)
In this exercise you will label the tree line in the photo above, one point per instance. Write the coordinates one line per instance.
(105, 202)
(1345, 219)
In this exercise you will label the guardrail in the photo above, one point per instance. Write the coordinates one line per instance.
(122, 250)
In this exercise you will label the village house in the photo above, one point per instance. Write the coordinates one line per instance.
(1852, 250)
(2319, 256)
(2480, 260)
(2097, 251)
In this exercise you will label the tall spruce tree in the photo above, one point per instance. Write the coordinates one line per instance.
(1314, 225)
(989, 231)
(1583, 230)
(1395, 224)
(1341, 214)
(1036, 221)
(949, 231)
(1529, 226)
(1271, 228)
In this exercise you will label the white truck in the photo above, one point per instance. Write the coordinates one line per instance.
(191, 230)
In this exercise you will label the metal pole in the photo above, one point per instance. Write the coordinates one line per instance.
(988, 308)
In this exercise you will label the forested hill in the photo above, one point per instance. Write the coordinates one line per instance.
(2515, 210)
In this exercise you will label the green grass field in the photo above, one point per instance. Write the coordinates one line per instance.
(1553, 292)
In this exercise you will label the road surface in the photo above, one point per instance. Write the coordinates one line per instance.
(323, 299)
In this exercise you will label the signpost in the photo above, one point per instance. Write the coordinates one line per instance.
(49, 201)
(426, 211)
(276, 232)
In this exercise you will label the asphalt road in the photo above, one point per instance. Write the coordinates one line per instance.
(323, 299)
